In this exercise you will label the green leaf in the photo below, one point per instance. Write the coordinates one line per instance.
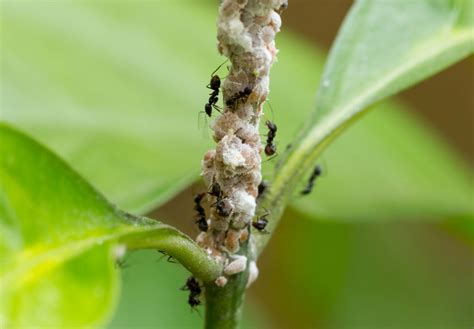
(114, 88)
(389, 166)
(59, 236)
(141, 307)
(370, 60)
(386, 46)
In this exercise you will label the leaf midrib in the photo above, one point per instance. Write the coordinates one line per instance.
(57, 255)
(346, 111)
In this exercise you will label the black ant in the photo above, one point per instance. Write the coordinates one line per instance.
(211, 104)
(193, 301)
(215, 190)
(192, 285)
(223, 205)
(170, 258)
(214, 85)
(194, 291)
(201, 215)
(261, 223)
(283, 7)
(270, 148)
(317, 171)
(262, 187)
(243, 94)
(121, 263)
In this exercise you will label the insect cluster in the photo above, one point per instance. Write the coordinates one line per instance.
(225, 211)
(192, 285)
(223, 236)
(200, 218)
(223, 204)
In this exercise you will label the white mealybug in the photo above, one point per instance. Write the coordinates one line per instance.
(119, 251)
(221, 281)
(253, 273)
(239, 264)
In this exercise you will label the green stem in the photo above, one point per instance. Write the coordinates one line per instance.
(179, 246)
(224, 304)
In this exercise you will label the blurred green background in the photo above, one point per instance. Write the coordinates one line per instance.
(108, 84)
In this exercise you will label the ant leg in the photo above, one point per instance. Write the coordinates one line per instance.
(266, 213)
(121, 264)
(217, 108)
(170, 258)
(202, 123)
(194, 309)
(163, 255)
(271, 158)
(199, 118)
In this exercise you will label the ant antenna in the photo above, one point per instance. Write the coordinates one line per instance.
(170, 258)
(271, 109)
(271, 158)
(219, 67)
(203, 124)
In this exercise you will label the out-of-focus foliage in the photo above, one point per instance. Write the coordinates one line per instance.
(385, 174)
(396, 275)
(386, 46)
(116, 88)
(394, 168)
(58, 236)
(151, 297)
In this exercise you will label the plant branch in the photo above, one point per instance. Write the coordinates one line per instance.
(246, 33)
(178, 245)
(224, 304)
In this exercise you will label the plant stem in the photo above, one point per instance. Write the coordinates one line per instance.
(179, 246)
(232, 171)
(224, 304)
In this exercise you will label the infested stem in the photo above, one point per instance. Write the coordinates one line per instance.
(232, 171)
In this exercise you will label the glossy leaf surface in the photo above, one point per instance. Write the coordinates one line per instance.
(60, 238)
